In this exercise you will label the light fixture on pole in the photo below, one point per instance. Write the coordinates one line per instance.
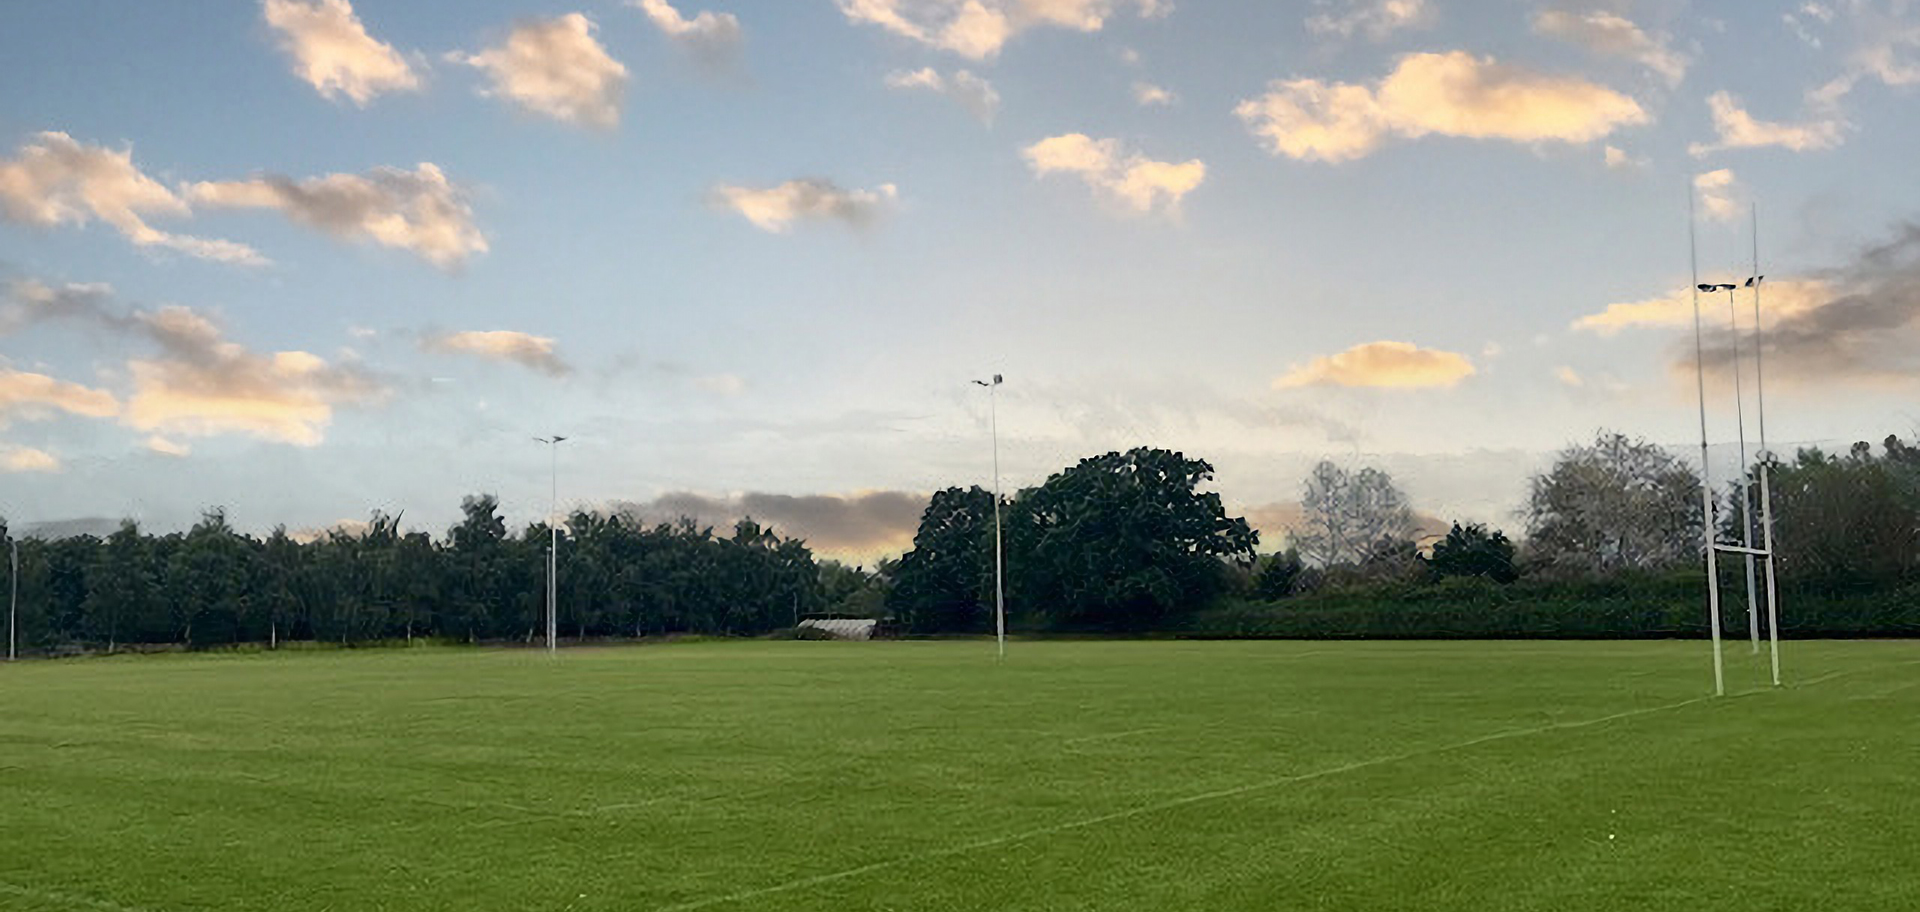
(999, 584)
(553, 543)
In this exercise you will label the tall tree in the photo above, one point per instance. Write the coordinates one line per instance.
(1349, 513)
(1618, 503)
(945, 584)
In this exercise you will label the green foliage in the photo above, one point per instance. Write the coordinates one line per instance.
(1618, 504)
(1472, 551)
(1276, 576)
(1123, 541)
(945, 584)
(1846, 523)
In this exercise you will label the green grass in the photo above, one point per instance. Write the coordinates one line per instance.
(1082, 775)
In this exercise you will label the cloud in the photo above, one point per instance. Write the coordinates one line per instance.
(1391, 365)
(714, 38)
(1719, 194)
(1782, 298)
(29, 396)
(1887, 47)
(529, 351)
(1568, 377)
(165, 447)
(971, 92)
(57, 181)
(200, 384)
(27, 459)
(978, 29)
(775, 209)
(1618, 160)
(1739, 130)
(1146, 95)
(865, 524)
(418, 211)
(1377, 19)
(1452, 94)
(555, 68)
(1612, 35)
(723, 384)
(332, 51)
(1129, 178)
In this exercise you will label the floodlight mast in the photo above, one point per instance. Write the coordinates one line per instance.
(1706, 475)
(553, 542)
(999, 584)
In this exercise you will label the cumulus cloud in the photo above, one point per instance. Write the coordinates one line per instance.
(1674, 310)
(1452, 94)
(1392, 365)
(418, 211)
(555, 68)
(978, 29)
(1132, 179)
(165, 447)
(529, 351)
(775, 209)
(1738, 129)
(865, 524)
(1617, 159)
(1719, 194)
(1147, 95)
(332, 51)
(1612, 35)
(713, 38)
(55, 180)
(1377, 19)
(971, 92)
(29, 396)
(27, 459)
(197, 382)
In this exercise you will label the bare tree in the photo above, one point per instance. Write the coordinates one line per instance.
(1348, 513)
(1616, 504)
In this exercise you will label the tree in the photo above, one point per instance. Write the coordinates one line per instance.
(945, 584)
(1472, 551)
(1348, 513)
(1123, 541)
(1848, 523)
(1277, 575)
(1618, 504)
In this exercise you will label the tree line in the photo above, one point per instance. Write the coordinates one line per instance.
(1123, 542)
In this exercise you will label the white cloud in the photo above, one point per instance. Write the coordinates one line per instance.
(1130, 178)
(1739, 130)
(1377, 19)
(1452, 94)
(1719, 193)
(713, 37)
(1613, 35)
(1386, 364)
(27, 459)
(1568, 377)
(332, 51)
(775, 209)
(419, 211)
(1782, 298)
(971, 92)
(530, 351)
(1146, 94)
(57, 181)
(978, 29)
(1618, 160)
(165, 447)
(556, 68)
(30, 396)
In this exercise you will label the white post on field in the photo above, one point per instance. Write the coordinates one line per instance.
(999, 573)
(1766, 456)
(553, 542)
(1706, 475)
(13, 600)
(1746, 488)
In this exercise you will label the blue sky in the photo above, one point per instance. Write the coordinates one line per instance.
(752, 258)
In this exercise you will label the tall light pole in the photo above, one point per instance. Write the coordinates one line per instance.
(553, 543)
(13, 602)
(999, 585)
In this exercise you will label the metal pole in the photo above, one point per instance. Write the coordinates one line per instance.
(1706, 474)
(1766, 457)
(999, 585)
(553, 547)
(1773, 601)
(13, 602)
(1746, 487)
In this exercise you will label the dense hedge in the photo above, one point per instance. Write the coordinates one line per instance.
(1614, 608)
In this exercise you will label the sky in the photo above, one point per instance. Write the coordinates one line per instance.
(307, 259)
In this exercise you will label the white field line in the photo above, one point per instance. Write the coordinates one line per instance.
(1164, 806)
(66, 899)
(1110, 736)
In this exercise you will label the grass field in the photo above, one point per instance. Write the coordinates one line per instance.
(1086, 775)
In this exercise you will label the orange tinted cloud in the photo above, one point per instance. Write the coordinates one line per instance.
(1390, 365)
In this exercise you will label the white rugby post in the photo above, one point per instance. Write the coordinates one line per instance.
(1706, 472)
(13, 601)
(999, 586)
(1746, 485)
(553, 543)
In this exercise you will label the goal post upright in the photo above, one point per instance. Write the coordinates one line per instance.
(1706, 469)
